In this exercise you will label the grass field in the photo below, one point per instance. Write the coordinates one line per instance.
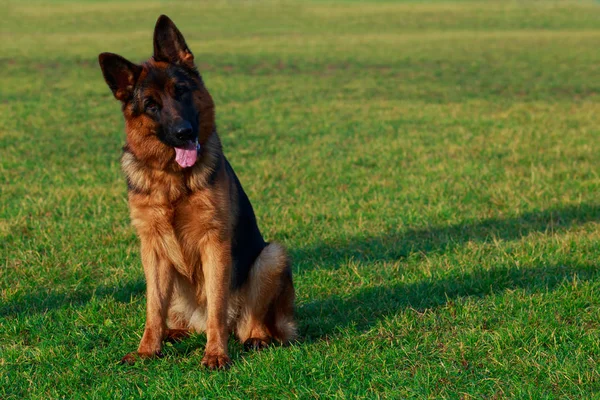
(433, 168)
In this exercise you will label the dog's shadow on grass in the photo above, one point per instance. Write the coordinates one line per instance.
(363, 309)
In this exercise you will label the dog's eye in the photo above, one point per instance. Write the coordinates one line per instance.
(180, 90)
(150, 105)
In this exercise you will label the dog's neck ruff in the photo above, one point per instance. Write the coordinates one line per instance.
(140, 176)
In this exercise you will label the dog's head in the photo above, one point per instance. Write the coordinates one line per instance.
(168, 112)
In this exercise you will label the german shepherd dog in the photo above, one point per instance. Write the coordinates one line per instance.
(206, 264)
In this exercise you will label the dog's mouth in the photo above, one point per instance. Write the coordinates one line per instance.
(186, 156)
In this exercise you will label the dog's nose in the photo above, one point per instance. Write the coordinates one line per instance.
(183, 131)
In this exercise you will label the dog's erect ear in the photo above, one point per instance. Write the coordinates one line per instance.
(120, 75)
(169, 44)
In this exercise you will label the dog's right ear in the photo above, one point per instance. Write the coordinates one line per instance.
(169, 44)
(120, 75)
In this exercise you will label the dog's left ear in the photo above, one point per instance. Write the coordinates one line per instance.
(169, 44)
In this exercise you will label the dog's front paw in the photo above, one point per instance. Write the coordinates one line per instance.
(134, 356)
(216, 361)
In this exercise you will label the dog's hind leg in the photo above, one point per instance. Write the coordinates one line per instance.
(267, 311)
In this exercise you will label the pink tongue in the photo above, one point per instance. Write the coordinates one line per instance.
(186, 156)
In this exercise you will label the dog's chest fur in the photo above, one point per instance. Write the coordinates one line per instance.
(184, 208)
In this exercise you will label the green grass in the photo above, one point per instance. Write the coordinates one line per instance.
(433, 168)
